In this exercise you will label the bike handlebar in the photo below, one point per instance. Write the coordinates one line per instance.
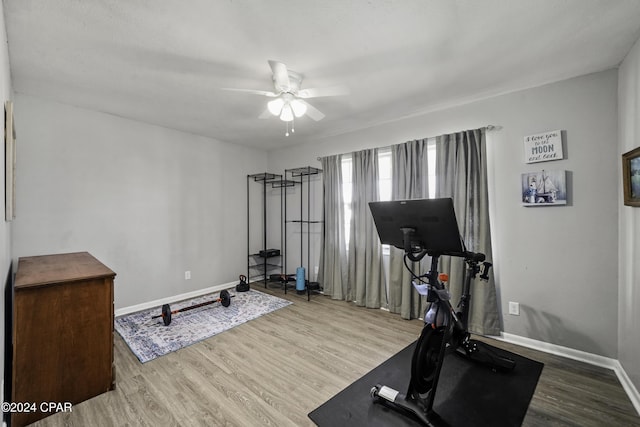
(467, 255)
(474, 256)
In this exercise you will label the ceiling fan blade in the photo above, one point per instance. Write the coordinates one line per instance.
(280, 75)
(323, 91)
(255, 92)
(313, 112)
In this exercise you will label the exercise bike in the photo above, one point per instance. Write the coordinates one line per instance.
(445, 327)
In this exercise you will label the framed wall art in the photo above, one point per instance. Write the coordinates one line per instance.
(543, 147)
(631, 177)
(544, 188)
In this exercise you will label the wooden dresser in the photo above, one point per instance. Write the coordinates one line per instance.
(62, 332)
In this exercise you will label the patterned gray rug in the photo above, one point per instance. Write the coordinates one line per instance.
(149, 338)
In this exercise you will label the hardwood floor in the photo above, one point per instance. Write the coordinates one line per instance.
(276, 369)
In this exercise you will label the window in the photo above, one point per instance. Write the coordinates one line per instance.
(431, 158)
(385, 171)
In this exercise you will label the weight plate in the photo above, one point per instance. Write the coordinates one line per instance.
(225, 298)
(166, 314)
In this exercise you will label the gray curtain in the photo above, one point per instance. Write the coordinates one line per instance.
(366, 276)
(461, 171)
(410, 180)
(333, 255)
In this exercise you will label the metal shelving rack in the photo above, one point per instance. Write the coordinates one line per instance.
(266, 179)
(301, 176)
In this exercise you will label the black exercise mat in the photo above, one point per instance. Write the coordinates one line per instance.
(468, 394)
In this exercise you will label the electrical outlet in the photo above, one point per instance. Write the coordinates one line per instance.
(187, 275)
(514, 308)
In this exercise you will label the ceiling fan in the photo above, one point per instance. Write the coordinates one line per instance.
(288, 98)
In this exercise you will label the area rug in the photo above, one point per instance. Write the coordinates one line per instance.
(469, 394)
(149, 338)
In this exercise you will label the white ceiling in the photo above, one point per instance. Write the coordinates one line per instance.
(164, 62)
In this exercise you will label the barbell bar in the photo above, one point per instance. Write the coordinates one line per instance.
(224, 299)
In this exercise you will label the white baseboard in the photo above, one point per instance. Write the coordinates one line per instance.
(628, 386)
(171, 299)
(582, 356)
(570, 353)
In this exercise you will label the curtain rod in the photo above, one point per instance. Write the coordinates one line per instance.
(487, 127)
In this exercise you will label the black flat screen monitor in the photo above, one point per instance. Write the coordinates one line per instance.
(433, 220)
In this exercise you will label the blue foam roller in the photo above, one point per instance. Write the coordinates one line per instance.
(300, 279)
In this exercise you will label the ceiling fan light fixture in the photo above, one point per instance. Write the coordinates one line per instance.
(288, 100)
(287, 113)
(275, 106)
(298, 107)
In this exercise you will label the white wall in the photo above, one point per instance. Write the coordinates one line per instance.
(5, 227)
(147, 201)
(559, 263)
(629, 233)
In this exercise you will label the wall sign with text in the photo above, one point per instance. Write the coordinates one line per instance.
(543, 147)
